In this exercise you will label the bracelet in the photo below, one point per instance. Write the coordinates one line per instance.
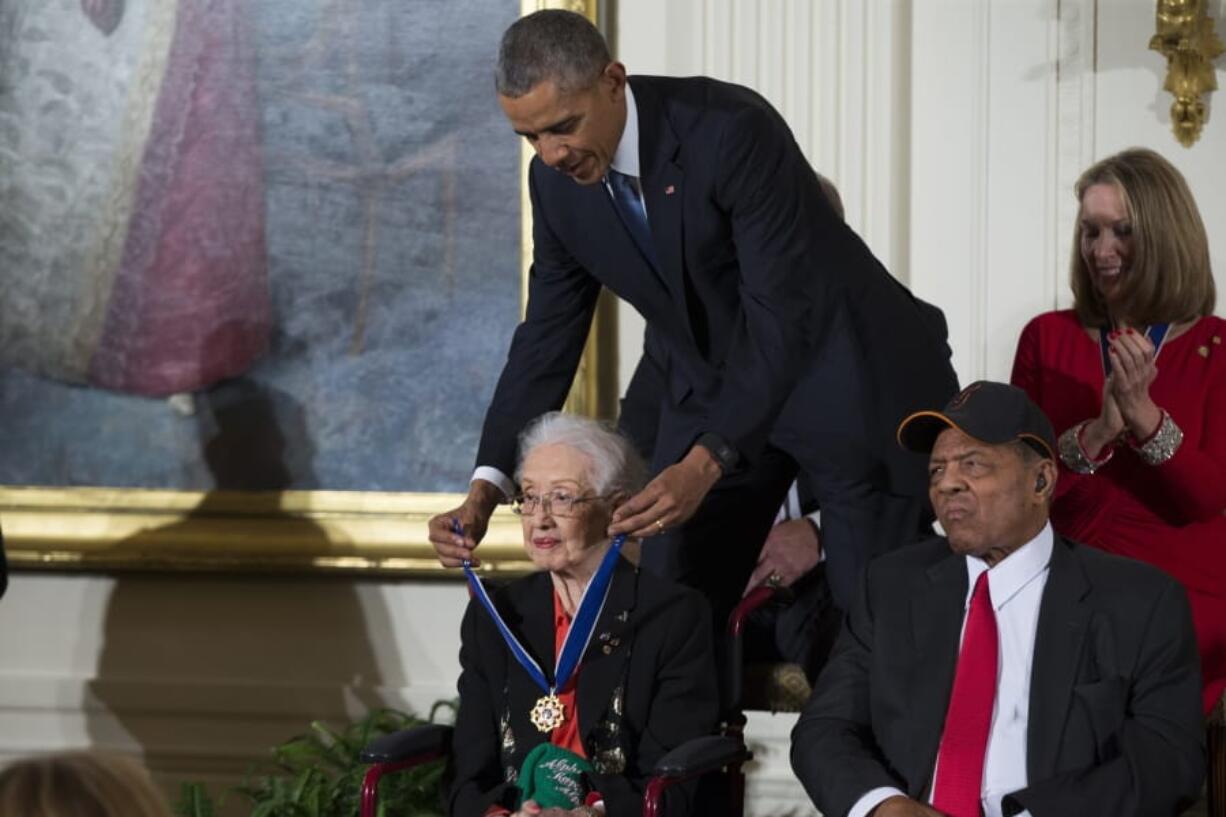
(1073, 453)
(1160, 446)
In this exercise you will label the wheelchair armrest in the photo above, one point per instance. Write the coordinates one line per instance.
(701, 755)
(732, 683)
(430, 739)
(760, 596)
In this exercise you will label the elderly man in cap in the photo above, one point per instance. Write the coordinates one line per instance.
(1002, 669)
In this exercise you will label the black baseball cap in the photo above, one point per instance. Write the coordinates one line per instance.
(990, 412)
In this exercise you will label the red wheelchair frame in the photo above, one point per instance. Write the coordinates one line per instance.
(725, 751)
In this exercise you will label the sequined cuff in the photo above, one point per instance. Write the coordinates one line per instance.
(1162, 444)
(1073, 455)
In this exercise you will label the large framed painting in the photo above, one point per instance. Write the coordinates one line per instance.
(260, 261)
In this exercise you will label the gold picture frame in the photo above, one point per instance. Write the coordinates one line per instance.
(117, 529)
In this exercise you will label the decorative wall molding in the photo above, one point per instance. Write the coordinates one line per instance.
(771, 789)
(994, 133)
(212, 731)
(950, 107)
(202, 675)
(835, 69)
(226, 724)
(1075, 72)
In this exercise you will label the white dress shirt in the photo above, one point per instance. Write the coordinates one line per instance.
(626, 157)
(1015, 586)
(625, 160)
(790, 509)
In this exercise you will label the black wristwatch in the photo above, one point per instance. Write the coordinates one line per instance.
(726, 457)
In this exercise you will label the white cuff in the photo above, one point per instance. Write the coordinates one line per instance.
(816, 519)
(495, 477)
(874, 798)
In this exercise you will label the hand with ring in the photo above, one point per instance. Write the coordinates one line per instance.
(792, 549)
(670, 499)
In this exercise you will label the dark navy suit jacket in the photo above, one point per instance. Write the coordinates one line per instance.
(755, 271)
(1115, 723)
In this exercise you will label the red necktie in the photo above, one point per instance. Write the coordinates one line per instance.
(969, 719)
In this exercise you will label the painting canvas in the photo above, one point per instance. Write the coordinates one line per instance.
(252, 244)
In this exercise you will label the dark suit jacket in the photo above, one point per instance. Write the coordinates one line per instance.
(1115, 722)
(754, 269)
(652, 691)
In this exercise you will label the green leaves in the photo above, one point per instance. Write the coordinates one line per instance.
(194, 801)
(318, 774)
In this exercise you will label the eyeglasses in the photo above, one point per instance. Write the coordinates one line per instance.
(554, 503)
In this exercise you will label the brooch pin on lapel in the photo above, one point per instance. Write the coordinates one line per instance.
(668, 191)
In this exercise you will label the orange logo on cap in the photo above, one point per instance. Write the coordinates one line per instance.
(960, 400)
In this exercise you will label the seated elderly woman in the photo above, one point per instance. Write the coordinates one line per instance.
(577, 679)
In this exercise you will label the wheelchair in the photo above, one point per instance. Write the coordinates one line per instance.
(724, 752)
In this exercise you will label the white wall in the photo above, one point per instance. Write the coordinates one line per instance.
(202, 674)
(954, 129)
(1012, 99)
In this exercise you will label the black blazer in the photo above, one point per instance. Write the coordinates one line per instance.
(651, 691)
(1115, 724)
(754, 270)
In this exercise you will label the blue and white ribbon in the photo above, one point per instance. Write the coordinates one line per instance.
(591, 603)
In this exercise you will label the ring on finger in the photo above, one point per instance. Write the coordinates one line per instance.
(659, 526)
(774, 579)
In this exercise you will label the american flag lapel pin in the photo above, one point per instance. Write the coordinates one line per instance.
(668, 191)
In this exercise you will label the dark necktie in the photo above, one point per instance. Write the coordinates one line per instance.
(633, 215)
(964, 743)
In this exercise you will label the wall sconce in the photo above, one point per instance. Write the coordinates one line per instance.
(1187, 39)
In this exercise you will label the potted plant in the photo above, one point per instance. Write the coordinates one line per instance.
(319, 774)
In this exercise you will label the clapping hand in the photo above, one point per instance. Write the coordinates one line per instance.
(1132, 373)
(1104, 429)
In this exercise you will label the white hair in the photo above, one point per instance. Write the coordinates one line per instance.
(614, 465)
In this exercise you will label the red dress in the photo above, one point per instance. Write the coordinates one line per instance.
(1171, 515)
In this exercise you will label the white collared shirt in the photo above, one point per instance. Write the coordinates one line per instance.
(626, 157)
(625, 160)
(1015, 586)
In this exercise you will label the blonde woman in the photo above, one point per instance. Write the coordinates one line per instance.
(1134, 381)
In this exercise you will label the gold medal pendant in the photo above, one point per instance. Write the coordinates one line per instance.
(548, 714)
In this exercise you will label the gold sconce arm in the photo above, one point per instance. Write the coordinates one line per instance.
(1187, 39)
